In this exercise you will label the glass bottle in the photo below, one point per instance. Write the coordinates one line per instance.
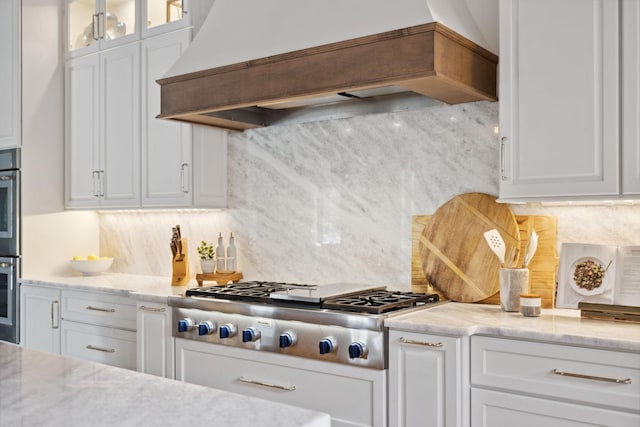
(220, 258)
(231, 254)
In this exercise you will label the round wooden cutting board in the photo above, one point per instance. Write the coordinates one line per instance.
(456, 258)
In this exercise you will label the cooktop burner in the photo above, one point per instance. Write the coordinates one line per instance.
(365, 300)
(256, 291)
(380, 301)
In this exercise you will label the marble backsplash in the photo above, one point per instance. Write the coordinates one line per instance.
(332, 201)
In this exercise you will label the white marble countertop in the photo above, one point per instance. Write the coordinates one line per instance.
(147, 288)
(43, 389)
(563, 326)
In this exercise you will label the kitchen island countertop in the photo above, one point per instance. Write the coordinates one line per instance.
(564, 326)
(43, 389)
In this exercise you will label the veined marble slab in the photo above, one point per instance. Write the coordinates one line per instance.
(555, 325)
(147, 288)
(41, 389)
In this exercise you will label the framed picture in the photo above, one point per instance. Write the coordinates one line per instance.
(587, 273)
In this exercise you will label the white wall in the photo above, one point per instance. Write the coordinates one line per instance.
(50, 236)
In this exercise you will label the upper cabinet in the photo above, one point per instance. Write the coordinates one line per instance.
(99, 24)
(630, 97)
(118, 155)
(561, 94)
(9, 73)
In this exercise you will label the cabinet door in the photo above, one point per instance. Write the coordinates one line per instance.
(94, 25)
(209, 167)
(120, 126)
(9, 73)
(40, 318)
(154, 340)
(166, 145)
(426, 380)
(493, 408)
(82, 82)
(559, 97)
(630, 96)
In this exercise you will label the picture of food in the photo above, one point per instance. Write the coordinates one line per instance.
(588, 274)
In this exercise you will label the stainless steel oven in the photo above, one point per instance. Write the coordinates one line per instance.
(9, 243)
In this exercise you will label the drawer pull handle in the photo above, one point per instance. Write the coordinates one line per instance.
(105, 350)
(591, 377)
(261, 383)
(153, 309)
(424, 343)
(105, 310)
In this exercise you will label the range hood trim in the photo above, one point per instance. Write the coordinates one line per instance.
(429, 59)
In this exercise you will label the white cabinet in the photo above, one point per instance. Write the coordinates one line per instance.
(428, 380)
(93, 25)
(118, 155)
(154, 340)
(40, 318)
(556, 385)
(100, 327)
(166, 145)
(493, 408)
(630, 97)
(559, 99)
(352, 395)
(10, 73)
(102, 129)
(94, 326)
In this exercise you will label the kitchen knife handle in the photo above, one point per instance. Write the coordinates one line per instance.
(503, 142)
(184, 177)
(424, 343)
(591, 377)
(269, 385)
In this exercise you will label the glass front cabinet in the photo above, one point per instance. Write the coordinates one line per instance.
(94, 25)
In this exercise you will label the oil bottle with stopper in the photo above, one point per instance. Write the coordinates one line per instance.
(220, 258)
(231, 254)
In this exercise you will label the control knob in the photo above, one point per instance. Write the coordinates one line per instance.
(250, 335)
(327, 345)
(288, 339)
(185, 325)
(357, 350)
(227, 331)
(206, 328)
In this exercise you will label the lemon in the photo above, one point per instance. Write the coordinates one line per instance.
(79, 258)
(92, 257)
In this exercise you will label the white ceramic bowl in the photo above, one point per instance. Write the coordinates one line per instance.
(92, 266)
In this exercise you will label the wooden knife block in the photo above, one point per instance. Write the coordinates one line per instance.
(180, 264)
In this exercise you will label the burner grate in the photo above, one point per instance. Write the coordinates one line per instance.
(256, 291)
(380, 301)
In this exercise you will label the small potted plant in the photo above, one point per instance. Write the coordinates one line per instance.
(207, 255)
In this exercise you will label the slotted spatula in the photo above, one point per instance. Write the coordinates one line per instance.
(496, 243)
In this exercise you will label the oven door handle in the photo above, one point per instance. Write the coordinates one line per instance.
(265, 384)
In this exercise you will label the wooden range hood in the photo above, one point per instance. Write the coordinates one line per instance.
(429, 59)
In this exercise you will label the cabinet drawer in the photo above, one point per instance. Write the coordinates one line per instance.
(493, 408)
(99, 309)
(110, 346)
(353, 396)
(585, 375)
